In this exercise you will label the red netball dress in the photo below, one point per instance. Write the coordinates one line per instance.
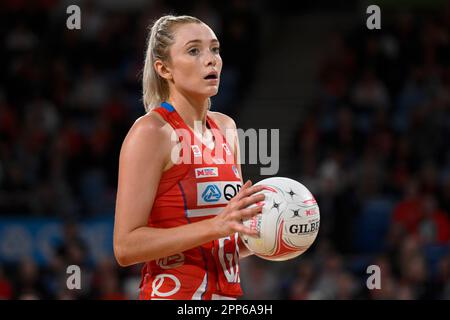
(188, 192)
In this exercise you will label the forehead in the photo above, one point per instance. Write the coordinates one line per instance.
(193, 31)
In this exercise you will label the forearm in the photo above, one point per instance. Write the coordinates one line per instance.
(146, 243)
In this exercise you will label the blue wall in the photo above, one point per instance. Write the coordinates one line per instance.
(37, 238)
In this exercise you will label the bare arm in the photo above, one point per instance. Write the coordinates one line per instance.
(145, 153)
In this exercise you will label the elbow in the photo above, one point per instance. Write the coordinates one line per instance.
(121, 255)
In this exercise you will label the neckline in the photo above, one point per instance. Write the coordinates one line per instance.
(209, 123)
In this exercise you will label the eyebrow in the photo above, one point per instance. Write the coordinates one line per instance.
(199, 41)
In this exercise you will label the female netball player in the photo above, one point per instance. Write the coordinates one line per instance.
(182, 218)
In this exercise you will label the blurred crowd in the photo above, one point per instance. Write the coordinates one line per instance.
(373, 147)
(67, 100)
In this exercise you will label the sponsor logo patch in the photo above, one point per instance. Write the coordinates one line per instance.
(211, 194)
(219, 192)
(206, 172)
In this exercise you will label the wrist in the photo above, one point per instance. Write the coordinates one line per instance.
(213, 229)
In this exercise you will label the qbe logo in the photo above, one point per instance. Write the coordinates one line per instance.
(219, 192)
(211, 193)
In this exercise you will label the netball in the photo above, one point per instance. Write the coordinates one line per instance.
(289, 222)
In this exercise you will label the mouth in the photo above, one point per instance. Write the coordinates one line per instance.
(212, 76)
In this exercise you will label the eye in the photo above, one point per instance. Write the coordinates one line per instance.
(216, 50)
(194, 51)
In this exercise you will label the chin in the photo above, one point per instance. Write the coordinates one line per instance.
(212, 92)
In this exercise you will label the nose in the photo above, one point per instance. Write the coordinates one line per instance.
(210, 59)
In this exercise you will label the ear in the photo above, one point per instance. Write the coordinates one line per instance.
(162, 70)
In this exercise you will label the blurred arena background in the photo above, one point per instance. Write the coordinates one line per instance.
(364, 119)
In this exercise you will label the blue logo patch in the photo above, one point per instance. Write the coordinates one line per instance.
(211, 193)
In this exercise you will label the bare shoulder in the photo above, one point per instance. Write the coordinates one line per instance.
(149, 129)
(223, 121)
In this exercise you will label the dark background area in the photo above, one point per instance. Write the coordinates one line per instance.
(364, 120)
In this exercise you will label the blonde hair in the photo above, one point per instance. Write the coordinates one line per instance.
(155, 88)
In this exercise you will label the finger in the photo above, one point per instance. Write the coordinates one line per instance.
(248, 201)
(255, 189)
(245, 230)
(247, 184)
(248, 192)
(245, 187)
(250, 212)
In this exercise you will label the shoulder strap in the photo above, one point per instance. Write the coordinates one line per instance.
(213, 125)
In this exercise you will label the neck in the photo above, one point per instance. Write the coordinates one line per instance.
(192, 111)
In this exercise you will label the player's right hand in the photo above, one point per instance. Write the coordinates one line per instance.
(229, 220)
